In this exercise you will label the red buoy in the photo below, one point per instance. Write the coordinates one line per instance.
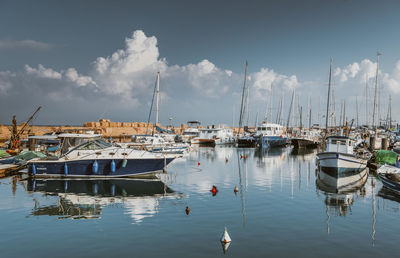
(198, 163)
(214, 190)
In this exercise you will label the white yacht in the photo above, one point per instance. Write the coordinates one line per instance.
(214, 136)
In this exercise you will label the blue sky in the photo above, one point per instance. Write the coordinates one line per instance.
(280, 39)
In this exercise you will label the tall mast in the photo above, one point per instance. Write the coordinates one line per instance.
(356, 111)
(290, 111)
(390, 111)
(243, 93)
(344, 113)
(366, 101)
(157, 95)
(329, 95)
(376, 88)
(270, 103)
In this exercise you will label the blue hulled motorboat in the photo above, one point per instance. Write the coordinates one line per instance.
(97, 158)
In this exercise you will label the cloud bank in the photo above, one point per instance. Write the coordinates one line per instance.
(120, 87)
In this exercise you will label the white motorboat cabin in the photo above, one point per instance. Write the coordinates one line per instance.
(342, 144)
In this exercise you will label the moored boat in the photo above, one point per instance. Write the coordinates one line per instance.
(271, 135)
(97, 158)
(339, 165)
(214, 136)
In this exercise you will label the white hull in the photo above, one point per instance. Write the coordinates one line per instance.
(340, 170)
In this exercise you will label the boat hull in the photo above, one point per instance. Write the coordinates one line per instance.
(303, 143)
(340, 170)
(84, 168)
(272, 141)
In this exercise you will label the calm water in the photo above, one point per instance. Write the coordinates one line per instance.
(278, 211)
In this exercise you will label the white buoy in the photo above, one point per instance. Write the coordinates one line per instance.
(225, 237)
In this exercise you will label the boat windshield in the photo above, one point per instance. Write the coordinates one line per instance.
(94, 145)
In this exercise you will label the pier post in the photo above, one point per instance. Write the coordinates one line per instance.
(372, 143)
(384, 143)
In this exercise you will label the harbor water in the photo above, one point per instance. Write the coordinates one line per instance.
(279, 212)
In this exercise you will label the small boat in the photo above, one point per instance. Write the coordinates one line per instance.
(339, 165)
(191, 131)
(247, 140)
(390, 177)
(212, 136)
(97, 158)
(306, 139)
(271, 135)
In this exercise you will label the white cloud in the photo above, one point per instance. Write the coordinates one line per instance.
(72, 75)
(43, 72)
(262, 81)
(21, 44)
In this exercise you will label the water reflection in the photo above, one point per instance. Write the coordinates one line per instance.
(85, 199)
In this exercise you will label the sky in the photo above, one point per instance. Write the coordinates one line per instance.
(86, 60)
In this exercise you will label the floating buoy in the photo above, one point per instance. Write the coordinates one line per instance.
(112, 165)
(225, 237)
(241, 156)
(124, 162)
(236, 189)
(95, 167)
(226, 160)
(65, 169)
(245, 156)
(214, 190)
(33, 169)
(198, 163)
(187, 210)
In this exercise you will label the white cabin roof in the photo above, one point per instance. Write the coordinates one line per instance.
(78, 135)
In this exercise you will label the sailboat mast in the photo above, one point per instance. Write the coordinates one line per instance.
(390, 111)
(290, 111)
(366, 101)
(376, 88)
(329, 95)
(356, 111)
(157, 95)
(243, 93)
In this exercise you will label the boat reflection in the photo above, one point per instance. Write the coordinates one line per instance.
(85, 199)
(388, 194)
(270, 157)
(339, 201)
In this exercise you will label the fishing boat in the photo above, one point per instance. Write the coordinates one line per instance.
(247, 140)
(305, 139)
(339, 164)
(214, 136)
(271, 135)
(390, 177)
(97, 158)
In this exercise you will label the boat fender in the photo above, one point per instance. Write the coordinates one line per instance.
(65, 186)
(124, 163)
(65, 169)
(34, 169)
(95, 167)
(112, 190)
(112, 165)
(95, 188)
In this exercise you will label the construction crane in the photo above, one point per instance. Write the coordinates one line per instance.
(14, 143)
